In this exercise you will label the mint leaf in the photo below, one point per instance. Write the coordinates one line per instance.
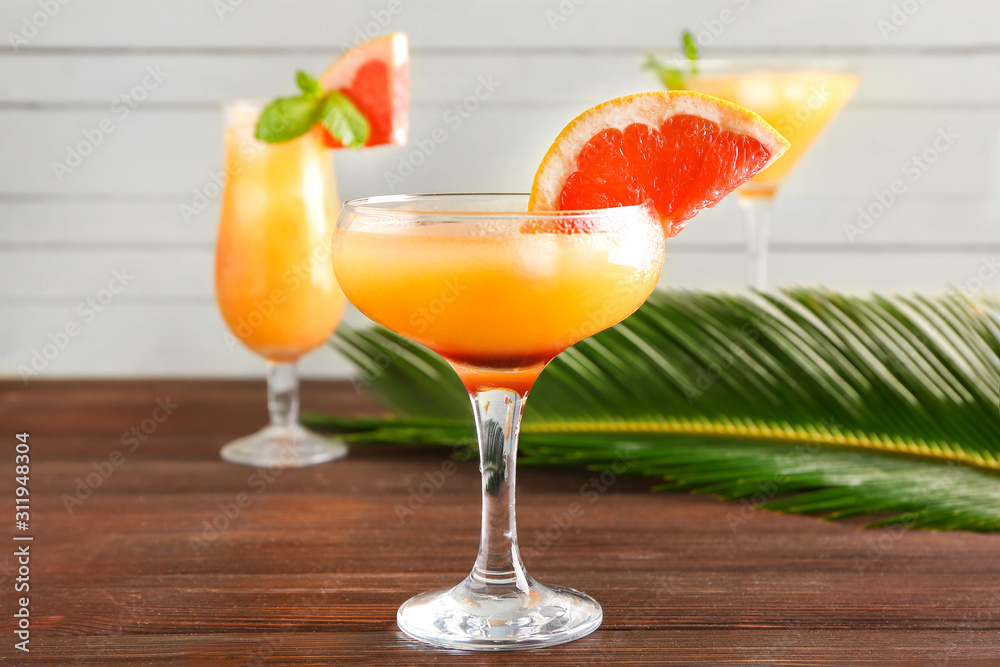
(309, 86)
(343, 120)
(287, 118)
(671, 77)
(690, 50)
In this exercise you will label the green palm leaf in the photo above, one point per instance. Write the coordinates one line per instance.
(802, 401)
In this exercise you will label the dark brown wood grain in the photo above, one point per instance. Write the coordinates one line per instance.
(312, 570)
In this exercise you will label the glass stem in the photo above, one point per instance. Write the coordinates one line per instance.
(282, 394)
(498, 420)
(757, 210)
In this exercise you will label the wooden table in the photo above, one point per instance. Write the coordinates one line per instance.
(307, 567)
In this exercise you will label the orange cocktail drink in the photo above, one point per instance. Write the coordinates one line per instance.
(498, 292)
(497, 295)
(273, 276)
(274, 279)
(797, 100)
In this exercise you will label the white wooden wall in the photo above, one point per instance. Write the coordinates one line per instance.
(927, 66)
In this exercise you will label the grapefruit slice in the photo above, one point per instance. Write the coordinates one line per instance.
(375, 76)
(683, 150)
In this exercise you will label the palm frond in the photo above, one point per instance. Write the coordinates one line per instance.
(803, 401)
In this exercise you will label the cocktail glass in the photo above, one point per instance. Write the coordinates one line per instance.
(498, 293)
(274, 278)
(799, 99)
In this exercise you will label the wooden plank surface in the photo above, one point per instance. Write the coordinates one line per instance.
(312, 570)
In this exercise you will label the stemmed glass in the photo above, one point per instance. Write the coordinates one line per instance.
(274, 278)
(498, 293)
(799, 99)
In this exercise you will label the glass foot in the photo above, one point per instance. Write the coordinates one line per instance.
(479, 617)
(293, 447)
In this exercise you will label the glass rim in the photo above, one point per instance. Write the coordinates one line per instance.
(241, 112)
(377, 205)
(256, 103)
(775, 63)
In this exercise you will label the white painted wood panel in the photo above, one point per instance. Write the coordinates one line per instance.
(60, 241)
(58, 222)
(757, 24)
(856, 272)
(145, 337)
(169, 152)
(130, 339)
(915, 220)
(42, 273)
(185, 276)
(529, 77)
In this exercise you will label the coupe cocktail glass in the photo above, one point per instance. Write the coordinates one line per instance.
(798, 99)
(498, 293)
(274, 279)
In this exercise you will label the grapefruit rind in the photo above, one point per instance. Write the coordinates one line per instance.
(651, 109)
(391, 49)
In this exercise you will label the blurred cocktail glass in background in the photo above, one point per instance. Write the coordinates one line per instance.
(274, 275)
(798, 99)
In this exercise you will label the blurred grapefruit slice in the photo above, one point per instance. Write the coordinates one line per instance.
(375, 76)
(683, 150)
